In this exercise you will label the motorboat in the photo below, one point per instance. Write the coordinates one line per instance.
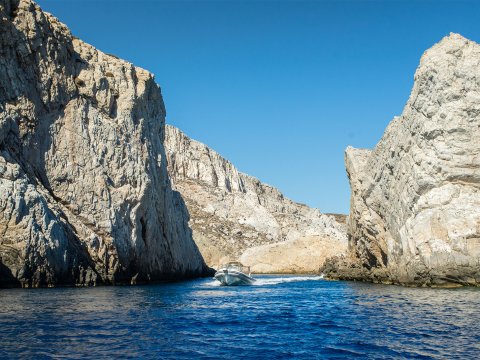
(234, 273)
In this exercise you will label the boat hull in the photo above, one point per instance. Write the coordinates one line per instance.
(233, 277)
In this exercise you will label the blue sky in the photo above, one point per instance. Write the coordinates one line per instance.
(280, 88)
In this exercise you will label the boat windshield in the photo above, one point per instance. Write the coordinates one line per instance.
(237, 266)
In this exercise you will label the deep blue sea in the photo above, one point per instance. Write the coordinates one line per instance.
(281, 317)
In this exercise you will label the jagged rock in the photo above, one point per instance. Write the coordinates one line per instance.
(236, 217)
(415, 203)
(84, 193)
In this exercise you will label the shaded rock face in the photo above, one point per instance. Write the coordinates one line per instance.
(84, 193)
(415, 199)
(232, 212)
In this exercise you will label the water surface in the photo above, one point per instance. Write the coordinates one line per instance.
(278, 318)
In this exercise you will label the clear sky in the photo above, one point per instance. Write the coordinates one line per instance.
(280, 88)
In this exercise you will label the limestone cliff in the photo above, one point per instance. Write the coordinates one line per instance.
(84, 193)
(232, 212)
(415, 200)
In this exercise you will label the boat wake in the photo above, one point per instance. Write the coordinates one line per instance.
(274, 280)
(285, 279)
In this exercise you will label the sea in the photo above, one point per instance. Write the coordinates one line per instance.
(280, 317)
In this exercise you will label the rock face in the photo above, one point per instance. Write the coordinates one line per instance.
(304, 255)
(84, 193)
(236, 217)
(415, 203)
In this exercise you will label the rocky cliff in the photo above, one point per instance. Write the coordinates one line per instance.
(415, 199)
(236, 217)
(84, 193)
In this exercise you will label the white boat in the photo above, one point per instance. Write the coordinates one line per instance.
(234, 273)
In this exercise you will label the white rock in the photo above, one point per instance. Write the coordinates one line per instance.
(415, 205)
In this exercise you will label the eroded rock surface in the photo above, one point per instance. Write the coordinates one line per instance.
(232, 212)
(84, 193)
(415, 204)
(304, 255)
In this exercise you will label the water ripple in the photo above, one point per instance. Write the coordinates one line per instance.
(281, 317)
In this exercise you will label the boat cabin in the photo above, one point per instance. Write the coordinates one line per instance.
(238, 266)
